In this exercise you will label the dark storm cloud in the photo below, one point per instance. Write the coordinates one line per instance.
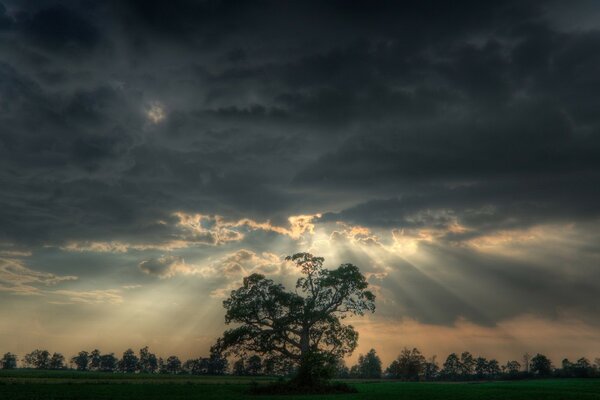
(416, 115)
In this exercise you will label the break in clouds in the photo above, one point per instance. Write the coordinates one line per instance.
(164, 150)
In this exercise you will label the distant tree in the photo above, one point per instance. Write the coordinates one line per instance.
(583, 368)
(8, 361)
(408, 366)
(493, 369)
(526, 361)
(451, 367)
(239, 367)
(129, 361)
(566, 368)
(191, 366)
(481, 367)
(147, 362)
(269, 366)
(162, 368)
(108, 363)
(254, 365)
(341, 370)
(369, 365)
(431, 369)
(81, 361)
(173, 365)
(95, 360)
(467, 364)
(217, 364)
(57, 361)
(39, 359)
(393, 370)
(302, 326)
(512, 367)
(541, 365)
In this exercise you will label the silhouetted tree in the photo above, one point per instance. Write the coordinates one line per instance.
(408, 366)
(129, 361)
(147, 361)
(269, 366)
(8, 361)
(369, 365)
(583, 368)
(39, 359)
(81, 361)
(217, 364)
(192, 367)
(467, 364)
(254, 365)
(512, 367)
(451, 367)
(493, 369)
(173, 365)
(566, 368)
(431, 369)
(541, 365)
(481, 365)
(526, 361)
(108, 363)
(239, 367)
(95, 360)
(341, 370)
(57, 361)
(303, 326)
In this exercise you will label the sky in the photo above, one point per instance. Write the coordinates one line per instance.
(153, 153)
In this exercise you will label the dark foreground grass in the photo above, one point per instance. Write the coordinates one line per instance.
(69, 386)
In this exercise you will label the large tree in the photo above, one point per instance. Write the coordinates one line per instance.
(303, 326)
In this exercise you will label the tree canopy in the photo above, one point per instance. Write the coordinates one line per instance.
(304, 326)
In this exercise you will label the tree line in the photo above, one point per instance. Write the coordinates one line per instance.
(130, 362)
(410, 365)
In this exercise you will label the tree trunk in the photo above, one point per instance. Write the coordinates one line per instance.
(314, 369)
(304, 341)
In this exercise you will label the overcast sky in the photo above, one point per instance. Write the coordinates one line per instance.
(153, 153)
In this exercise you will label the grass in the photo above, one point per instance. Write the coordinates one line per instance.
(70, 385)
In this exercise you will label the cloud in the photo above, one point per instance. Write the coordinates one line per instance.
(109, 296)
(245, 262)
(232, 267)
(17, 278)
(166, 266)
(200, 229)
(99, 247)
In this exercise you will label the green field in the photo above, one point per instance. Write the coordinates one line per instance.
(75, 385)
